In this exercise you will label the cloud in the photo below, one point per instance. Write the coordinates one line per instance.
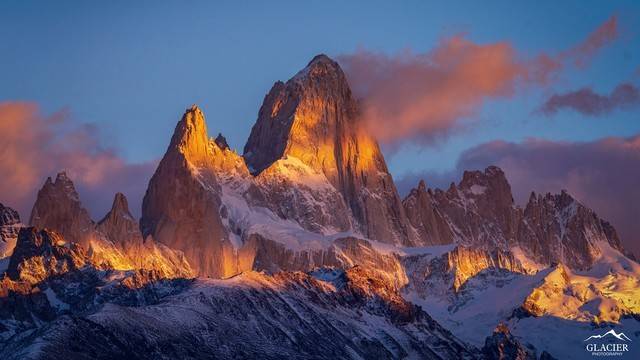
(603, 174)
(603, 35)
(424, 97)
(588, 102)
(34, 146)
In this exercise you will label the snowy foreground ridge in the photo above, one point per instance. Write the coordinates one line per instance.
(302, 248)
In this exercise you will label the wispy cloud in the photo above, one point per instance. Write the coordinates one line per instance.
(588, 102)
(34, 146)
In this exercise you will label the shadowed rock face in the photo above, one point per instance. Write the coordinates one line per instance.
(557, 228)
(9, 227)
(58, 207)
(314, 118)
(119, 225)
(424, 215)
(480, 212)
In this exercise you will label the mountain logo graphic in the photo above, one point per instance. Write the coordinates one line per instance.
(619, 336)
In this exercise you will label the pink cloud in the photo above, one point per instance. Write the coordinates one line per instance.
(581, 54)
(424, 97)
(588, 102)
(34, 146)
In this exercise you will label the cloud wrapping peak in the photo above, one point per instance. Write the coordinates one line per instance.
(34, 146)
(424, 97)
(588, 102)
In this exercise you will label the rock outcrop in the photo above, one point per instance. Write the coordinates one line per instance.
(40, 254)
(120, 228)
(313, 117)
(501, 345)
(557, 228)
(480, 212)
(431, 224)
(58, 207)
(9, 227)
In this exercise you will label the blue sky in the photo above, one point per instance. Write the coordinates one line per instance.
(131, 68)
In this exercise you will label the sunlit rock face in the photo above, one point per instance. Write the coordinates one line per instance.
(502, 345)
(120, 228)
(181, 207)
(58, 207)
(557, 228)
(9, 227)
(448, 272)
(313, 117)
(42, 253)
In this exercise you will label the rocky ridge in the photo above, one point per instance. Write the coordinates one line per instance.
(9, 227)
(312, 205)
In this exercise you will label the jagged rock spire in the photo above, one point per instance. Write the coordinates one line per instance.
(221, 141)
(118, 225)
(190, 137)
(58, 207)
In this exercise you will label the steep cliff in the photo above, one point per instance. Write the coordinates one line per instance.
(313, 117)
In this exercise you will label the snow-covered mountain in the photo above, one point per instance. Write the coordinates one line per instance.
(302, 248)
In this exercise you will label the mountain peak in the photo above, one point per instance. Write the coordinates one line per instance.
(58, 207)
(190, 135)
(321, 59)
(221, 141)
(314, 118)
(62, 177)
(422, 186)
(307, 117)
(322, 74)
(120, 204)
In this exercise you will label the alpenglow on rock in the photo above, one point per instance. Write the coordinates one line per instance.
(181, 207)
(313, 117)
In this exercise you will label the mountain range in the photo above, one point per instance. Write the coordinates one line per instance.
(301, 247)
